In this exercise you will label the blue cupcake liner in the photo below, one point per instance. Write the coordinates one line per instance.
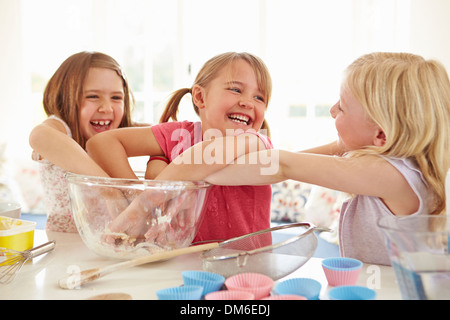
(306, 287)
(342, 264)
(208, 280)
(180, 293)
(352, 293)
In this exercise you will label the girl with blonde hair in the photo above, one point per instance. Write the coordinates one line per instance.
(88, 94)
(230, 94)
(392, 154)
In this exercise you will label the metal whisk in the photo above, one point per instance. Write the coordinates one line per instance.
(11, 261)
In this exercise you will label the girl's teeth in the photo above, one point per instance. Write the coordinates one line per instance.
(239, 118)
(102, 123)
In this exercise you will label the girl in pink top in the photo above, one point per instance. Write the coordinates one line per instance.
(392, 154)
(230, 95)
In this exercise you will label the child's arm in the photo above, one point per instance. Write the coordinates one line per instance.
(51, 142)
(154, 167)
(267, 171)
(111, 149)
(365, 175)
(207, 157)
(330, 149)
(337, 173)
(193, 164)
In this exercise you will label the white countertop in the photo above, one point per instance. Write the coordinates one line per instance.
(39, 278)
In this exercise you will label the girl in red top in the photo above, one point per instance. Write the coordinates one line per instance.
(230, 95)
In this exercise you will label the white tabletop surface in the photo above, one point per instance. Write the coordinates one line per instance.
(39, 278)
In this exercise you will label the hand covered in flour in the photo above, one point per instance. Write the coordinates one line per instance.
(176, 221)
(131, 224)
(103, 204)
(162, 217)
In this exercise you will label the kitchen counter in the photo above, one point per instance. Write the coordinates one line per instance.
(38, 279)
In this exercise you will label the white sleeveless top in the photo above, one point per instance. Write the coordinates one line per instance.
(359, 235)
(57, 200)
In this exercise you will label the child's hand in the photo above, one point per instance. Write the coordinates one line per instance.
(102, 204)
(179, 217)
(131, 224)
(165, 218)
(35, 156)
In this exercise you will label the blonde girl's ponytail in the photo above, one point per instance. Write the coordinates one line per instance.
(171, 110)
(265, 129)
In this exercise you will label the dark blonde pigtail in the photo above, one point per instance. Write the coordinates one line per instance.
(171, 110)
(209, 72)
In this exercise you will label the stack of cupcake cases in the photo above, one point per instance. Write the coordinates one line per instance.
(342, 274)
(244, 286)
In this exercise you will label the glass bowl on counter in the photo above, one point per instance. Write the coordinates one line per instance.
(131, 218)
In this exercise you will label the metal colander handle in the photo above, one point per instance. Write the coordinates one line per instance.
(245, 253)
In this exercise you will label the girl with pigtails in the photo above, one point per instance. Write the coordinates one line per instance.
(230, 95)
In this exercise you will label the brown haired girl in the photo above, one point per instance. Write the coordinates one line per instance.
(88, 94)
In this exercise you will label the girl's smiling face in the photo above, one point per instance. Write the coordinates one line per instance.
(355, 129)
(102, 105)
(232, 100)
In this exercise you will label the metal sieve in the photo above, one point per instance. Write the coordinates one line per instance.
(275, 252)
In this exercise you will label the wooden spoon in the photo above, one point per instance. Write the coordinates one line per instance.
(75, 281)
(111, 296)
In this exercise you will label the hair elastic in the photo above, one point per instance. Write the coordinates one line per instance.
(158, 158)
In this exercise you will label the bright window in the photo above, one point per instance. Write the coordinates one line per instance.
(162, 44)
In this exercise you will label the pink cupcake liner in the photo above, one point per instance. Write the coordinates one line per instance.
(256, 283)
(229, 295)
(341, 271)
(341, 278)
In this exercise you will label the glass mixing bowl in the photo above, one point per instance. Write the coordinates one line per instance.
(126, 218)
